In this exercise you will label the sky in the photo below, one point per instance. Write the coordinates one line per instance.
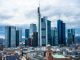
(24, 12)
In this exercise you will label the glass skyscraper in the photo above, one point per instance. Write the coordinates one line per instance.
(10, 36)
(33, 29)
(26, 36)
(18, 36)
(54, 35)
(45, 34)
(49, 32)
(61, 32)
(44, 30)
(70, 36)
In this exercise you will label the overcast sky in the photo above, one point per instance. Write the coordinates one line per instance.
(22, 12)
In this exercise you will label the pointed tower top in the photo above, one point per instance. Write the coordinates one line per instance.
(39, 14)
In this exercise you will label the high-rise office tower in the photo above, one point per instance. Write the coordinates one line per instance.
(26, 36)
(70, 36)
(18, 36)
(49, 32)
(33, 28)
(61, 32)
(10, 36)
(54, 35)
(35, 39)
(45, 32)
(39, 25)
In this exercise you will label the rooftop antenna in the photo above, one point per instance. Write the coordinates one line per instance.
(39, 13)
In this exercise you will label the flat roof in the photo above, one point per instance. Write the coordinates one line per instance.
(58, 56)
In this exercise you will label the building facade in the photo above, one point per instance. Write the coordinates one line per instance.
(26, 36)
(18, 36)
(10, 36)
(54, 36)
(35, 39)
(70, 36)
(33, 29)
(61, 32)
(49, 32)
(45, 32)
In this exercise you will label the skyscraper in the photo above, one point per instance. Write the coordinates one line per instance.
(26, 36)
(61, 32)
(35, 39)
(49, 32)
(70, 36)
(54, 35)
(45, 32)
(39, 25)
(18, 36)
(33, 29)
(10, 36)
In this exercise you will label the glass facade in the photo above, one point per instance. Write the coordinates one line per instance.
(71, 36)
(33, 28)
(45, 32)
(10, 36)
(61, 32)
(26, 36)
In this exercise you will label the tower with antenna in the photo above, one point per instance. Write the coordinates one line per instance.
(43, 29)
(39, 24)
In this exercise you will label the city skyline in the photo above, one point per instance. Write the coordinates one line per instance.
(39, 29)
(20, 12)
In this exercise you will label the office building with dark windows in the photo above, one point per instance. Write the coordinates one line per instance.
(10, 36)
(54, 36)
(49, 32)
(70, 36)
(35, 39)
(18, 36)
(33, 28)
(26, 36)
(61, 32)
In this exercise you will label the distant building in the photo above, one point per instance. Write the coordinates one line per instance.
(54, 35)
(29, 42)
(1, 43)
(26, 36)
(70, 36)
(10, 36)
(33, 29)
(61, 32)
(39, 27)
(18, 36)
(35, 39)
(45, 32)
(49, 32)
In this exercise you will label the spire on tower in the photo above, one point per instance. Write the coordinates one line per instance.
(39, 8)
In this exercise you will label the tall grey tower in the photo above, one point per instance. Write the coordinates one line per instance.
(39, 24)
(44, 29)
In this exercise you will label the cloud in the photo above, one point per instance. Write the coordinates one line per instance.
(21, 12)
